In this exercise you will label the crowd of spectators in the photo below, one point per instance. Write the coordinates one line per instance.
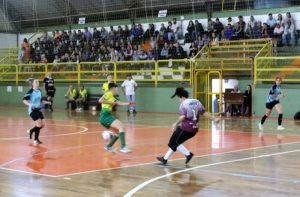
(135, 43)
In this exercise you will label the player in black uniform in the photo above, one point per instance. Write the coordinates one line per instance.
(49, 89)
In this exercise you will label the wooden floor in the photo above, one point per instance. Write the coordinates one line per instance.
(230, 158)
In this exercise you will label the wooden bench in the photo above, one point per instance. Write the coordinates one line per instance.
(92, 100)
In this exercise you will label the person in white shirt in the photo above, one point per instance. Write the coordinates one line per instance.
(175, 30)
(289, 34)
(129, 87)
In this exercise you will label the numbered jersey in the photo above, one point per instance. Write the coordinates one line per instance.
(191, 109)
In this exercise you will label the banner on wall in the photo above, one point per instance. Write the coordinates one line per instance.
(162, 13)
(81, 21)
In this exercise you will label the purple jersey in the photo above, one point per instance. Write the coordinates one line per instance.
(191, 109)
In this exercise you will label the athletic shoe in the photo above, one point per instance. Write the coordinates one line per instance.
(125, 150)
(280, 128)
(30, 133)
(260, 126)
(109, 149)
(188, 158)
(36, 142)
(162, 160)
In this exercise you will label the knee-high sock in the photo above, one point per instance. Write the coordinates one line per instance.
(280, 119)
(263, 119)
(112, 141)
(168, 154)
(122, 138)
(37, 133)
(183, 150)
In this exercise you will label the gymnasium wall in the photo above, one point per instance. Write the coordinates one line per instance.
(8, 40)
(149, 99)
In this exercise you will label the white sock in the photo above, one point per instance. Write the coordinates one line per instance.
(168, 154)
(183, 150)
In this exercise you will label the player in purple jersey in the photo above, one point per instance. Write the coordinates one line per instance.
(186, 126)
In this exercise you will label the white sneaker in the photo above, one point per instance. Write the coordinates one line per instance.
(125, 150)
(109, 149)
(260, 126)
(280, 128)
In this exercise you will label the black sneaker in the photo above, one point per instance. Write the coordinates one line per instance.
(188, 158)
(37, 142)
(162, 160)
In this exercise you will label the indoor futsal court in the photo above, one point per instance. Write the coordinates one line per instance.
(146, 98)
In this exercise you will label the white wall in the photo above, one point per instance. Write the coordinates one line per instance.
(8, 40)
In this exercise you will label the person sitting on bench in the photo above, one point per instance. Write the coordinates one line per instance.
(81, 101)
(71, 96)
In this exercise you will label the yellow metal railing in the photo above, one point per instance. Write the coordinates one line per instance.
(286, 67)
(224, 64)
(154, 72)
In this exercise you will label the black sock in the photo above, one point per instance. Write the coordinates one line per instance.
(37, 133)
(263, 119)
(280, 119)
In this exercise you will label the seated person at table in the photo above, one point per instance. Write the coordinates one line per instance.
(236, 109)
(71, 96)
(82, 98)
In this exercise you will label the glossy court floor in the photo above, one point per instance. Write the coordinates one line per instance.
(231, 159)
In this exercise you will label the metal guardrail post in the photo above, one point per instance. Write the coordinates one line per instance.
(115, 72)
(156, 74)
(17, 74)
(78, 73)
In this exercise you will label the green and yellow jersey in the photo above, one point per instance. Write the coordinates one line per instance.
(83, 94)
(108, 96)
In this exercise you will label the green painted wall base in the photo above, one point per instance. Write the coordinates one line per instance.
(149, 99)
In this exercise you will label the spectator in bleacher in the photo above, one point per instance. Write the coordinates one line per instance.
(199, 43)
(240, 28)
(229, 32)
(271, 22)
(104, 33)
(206, 39)
(57, 34)
(280, 20)
(135, 56)
(190, 32)
(178, 51)
(81, 100)
(156, 51)
(218, 28)
(96, 34)
(43, 59)
(70, 96)
(210, 26)
(214, 39)
(289, 18)
(152, 42)
(126, 32)
(55, 63)
(21, 55)
(257, 30)
(230, 21)
(164, 53)
(175, 30)
(277, 33)
(114, 55)
(289, 35)
(266, 31)
(163, 32)
(250, 26)
(150, 32)
(143, 56)
(193, 50)
(199, 29)
(26, 47)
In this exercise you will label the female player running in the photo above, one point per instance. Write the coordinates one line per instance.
(49, 89)
(186, 126)
(108, 100)
(273, 101)
(33, 99)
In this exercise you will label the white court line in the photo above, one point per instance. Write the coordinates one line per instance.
(201, 156)
(144, 184)
(83, 129)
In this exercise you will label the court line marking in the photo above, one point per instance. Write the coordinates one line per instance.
(200, 156)
(83, 130)
(144, 184)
